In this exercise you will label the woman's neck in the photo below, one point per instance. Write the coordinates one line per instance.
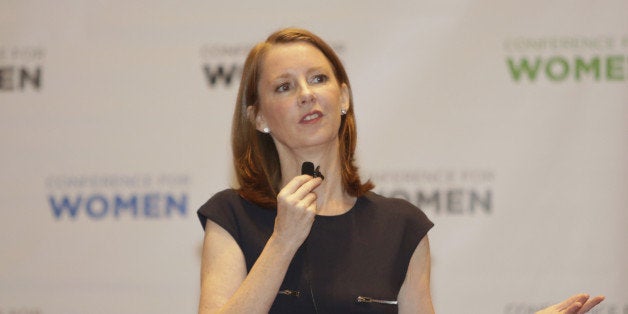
(331, 196)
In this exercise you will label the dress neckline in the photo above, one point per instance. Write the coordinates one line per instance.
(347, 213)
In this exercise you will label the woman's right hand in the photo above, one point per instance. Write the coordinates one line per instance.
(226, 285)
(296, 210)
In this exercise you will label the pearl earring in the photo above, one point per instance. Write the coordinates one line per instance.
(266, 130)
(343, 112)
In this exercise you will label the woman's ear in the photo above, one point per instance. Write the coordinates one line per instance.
(256, 117)
(345, 97)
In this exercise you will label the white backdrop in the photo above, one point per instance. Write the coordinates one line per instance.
(506, 122)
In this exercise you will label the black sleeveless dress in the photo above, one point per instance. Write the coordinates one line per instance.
(345, 260)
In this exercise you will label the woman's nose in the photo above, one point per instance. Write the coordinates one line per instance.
(305, 95)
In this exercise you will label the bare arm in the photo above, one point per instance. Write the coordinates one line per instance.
(225, 285)
(414, 295)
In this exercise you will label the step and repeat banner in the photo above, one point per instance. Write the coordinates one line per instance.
(507, 123)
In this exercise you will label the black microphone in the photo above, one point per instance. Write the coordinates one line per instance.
(308, 168)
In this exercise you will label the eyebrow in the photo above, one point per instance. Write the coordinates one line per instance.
(310, 70)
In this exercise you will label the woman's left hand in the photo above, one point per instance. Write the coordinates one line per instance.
(576, 304)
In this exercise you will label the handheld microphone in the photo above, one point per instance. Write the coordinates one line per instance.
(308, 168)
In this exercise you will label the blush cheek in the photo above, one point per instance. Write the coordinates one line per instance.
(277, 113)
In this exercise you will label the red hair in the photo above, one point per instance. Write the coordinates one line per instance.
(255, 156)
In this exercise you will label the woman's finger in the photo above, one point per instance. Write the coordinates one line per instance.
(312, 208)
(581, 298)
(308, 200)
(590, 304)
(294, 184)
(307, 187)
(573, 308)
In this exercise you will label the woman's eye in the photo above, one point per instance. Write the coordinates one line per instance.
(283, 87)
(319, 78)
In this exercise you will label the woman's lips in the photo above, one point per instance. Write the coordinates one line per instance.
(311, 117)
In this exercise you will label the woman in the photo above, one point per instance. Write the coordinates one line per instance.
(287, 242)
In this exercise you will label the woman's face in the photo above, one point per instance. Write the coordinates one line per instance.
(300, 99)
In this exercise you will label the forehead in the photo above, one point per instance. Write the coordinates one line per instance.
(285, 58)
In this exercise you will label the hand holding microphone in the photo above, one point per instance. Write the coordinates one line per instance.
(308, 168)
(296, 206)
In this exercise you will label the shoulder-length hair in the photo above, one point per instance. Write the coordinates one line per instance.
(255, 156)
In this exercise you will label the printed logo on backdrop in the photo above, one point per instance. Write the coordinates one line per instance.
(118, 197)
(567, 58)
(222, 63)
(21, 68)
(446, 192)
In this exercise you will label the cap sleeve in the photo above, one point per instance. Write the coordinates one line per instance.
(418, 224)
(416, 227)
(220, 209)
